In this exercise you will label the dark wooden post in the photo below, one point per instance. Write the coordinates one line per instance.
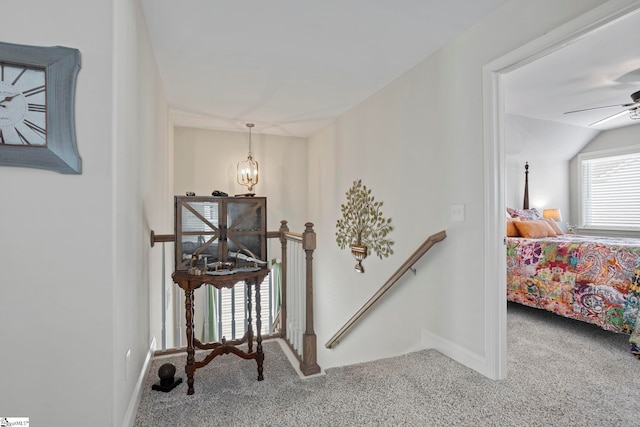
(283, 278)
(191, 351)
(309, 363)
(525, 203)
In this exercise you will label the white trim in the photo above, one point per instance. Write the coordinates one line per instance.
(136, 396)
(609, 152)
(494, 230)
(455, 352)
(494, 176)
(607, 232)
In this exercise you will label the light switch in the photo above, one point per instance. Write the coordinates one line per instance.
(457, 212)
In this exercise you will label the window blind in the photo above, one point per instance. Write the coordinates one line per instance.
(232, 313)
(611, 191)
(191, 222)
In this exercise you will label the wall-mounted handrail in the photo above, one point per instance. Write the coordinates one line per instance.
(156, 238)
(407, 265)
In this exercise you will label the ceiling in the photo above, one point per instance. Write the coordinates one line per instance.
(292, 68)
(600, 69)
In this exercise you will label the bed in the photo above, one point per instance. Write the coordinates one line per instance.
(587, 278)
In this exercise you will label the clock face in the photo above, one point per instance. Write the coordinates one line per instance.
(23, 105)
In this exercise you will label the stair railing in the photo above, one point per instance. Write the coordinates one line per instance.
(296, 310)
(407, 265)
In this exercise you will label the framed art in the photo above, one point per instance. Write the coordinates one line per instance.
(37, 111)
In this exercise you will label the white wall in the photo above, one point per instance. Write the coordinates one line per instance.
(142, 159)
(74, 250)
(547, 147)
(56, 252)
(205, 160)
(418, 144)
(615, 138)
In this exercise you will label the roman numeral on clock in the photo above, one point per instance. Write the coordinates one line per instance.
(18, 78)
(33, 91)
(35, 127)
(37, 108)
(2, 137)
(22, 137)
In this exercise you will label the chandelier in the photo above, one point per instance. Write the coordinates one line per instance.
(248, 169)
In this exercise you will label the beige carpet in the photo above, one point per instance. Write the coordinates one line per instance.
(560, 373)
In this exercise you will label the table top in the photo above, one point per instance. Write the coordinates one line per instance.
(189, 281)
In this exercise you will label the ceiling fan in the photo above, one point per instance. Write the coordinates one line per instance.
(633, 109)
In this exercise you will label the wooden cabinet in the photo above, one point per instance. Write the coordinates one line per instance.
(224, 232)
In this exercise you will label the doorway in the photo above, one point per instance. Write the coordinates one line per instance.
(494, 164)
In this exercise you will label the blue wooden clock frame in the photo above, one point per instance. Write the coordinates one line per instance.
(47, 142)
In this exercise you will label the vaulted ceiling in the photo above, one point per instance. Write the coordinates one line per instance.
(293, 66)
(600, 69)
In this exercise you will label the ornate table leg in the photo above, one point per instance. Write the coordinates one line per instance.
(249, 320)
(191, 351)
(259, 353)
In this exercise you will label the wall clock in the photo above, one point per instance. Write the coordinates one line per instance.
(37, 93)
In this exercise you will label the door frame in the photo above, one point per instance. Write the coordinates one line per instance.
(494, 164)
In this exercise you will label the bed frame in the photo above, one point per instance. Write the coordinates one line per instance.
(525, 203)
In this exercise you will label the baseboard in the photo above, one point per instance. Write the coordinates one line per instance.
(294, 360)
(134, 403)
(455, 352)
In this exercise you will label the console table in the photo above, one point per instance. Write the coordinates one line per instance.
(189, 283)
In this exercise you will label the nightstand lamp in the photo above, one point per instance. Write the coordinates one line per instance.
(554, 214)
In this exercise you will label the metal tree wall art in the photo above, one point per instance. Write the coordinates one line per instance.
(362, 226)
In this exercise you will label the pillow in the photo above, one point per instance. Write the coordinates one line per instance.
(528, 214)
(554, 225)
(512, 231)
(534, 229)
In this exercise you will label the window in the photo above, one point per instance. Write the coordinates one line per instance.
(610, 189)
(225, 314)
(233, 317)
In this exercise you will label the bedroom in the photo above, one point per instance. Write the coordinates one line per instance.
(601, 69)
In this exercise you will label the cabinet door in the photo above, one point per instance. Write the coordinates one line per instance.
(246, 227)
(198, 230)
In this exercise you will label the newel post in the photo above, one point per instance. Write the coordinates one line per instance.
(283, 278)
(309, 363)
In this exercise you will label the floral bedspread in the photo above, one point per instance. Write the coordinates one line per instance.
(588, 278)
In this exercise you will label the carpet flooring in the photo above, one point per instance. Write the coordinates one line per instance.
(560, 373)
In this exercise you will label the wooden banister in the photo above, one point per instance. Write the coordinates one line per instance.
(309, 365)
(308, 357)
(284, 229)
(155, 238)
(407, 265)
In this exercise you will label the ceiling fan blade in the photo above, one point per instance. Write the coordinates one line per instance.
(597, 108)
(606, 119)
